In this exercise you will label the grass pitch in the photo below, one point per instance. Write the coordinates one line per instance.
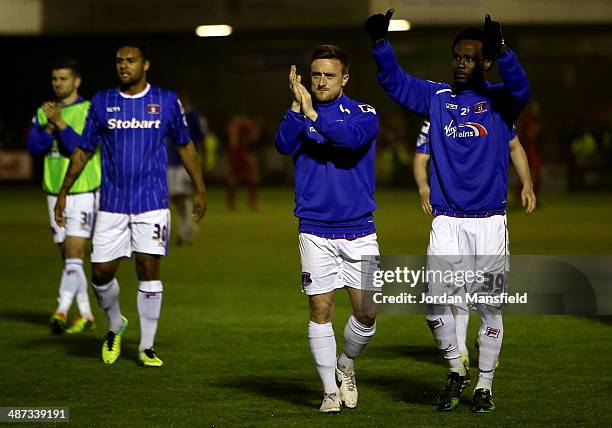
(233, 329)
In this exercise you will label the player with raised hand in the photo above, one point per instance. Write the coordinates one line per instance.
(331, 138)
(131, 124)
(471, 123)
(56, 132)
(419, 168)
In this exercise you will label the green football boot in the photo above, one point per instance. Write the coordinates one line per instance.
(111, 349)
(81, 325)
(149, 358)
(58, 323)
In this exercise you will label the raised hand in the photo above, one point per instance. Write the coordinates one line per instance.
(494, 39)
(378, 25)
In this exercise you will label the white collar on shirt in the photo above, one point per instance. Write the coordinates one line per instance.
(138, 95)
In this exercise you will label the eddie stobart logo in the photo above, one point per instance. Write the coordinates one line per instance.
(133, 124)
(466, 130)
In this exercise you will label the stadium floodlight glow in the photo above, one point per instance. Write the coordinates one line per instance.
(399, 25)
(213, 30)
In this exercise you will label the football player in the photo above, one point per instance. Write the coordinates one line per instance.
(331, 138)
(471, 123)
(131, 124)
(55, 134)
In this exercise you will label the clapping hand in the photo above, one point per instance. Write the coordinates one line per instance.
(302, 100)
(53, 111)
(295, 80)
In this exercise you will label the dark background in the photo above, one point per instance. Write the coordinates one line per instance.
(246, 73)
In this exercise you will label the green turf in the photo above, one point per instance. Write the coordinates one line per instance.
(233, 330)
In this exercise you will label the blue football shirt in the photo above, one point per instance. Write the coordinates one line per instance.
(334, 167)
(468, 133)
(132, 131)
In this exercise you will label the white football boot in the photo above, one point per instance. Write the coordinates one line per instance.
(348, 388)
(331, 403)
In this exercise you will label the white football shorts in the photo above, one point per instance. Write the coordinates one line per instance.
(328, 264)
(467, 255)
(179, 182)
(118, 235)
(80, 213)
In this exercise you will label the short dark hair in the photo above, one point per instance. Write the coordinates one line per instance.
(331, 52)
(469, 34)
(140, 45)
(68, 63)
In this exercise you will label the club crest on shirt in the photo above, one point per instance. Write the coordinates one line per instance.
(153, 108)
(480, 107)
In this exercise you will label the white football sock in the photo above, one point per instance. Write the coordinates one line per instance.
(323, 347)
(485, 380)
(356, 338)
(149, 302)
(82, 297)
(108, 299)
(69, 284)
(490, 337)
(462, 319)
(442, 325)
(345, 363)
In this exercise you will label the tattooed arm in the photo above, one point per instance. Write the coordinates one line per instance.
(78, 160)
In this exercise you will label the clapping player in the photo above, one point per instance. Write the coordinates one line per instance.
(55, 134)
(331, 138)
(131, 124)
(471, 125)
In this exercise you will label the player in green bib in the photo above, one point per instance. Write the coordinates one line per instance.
(56, 132)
